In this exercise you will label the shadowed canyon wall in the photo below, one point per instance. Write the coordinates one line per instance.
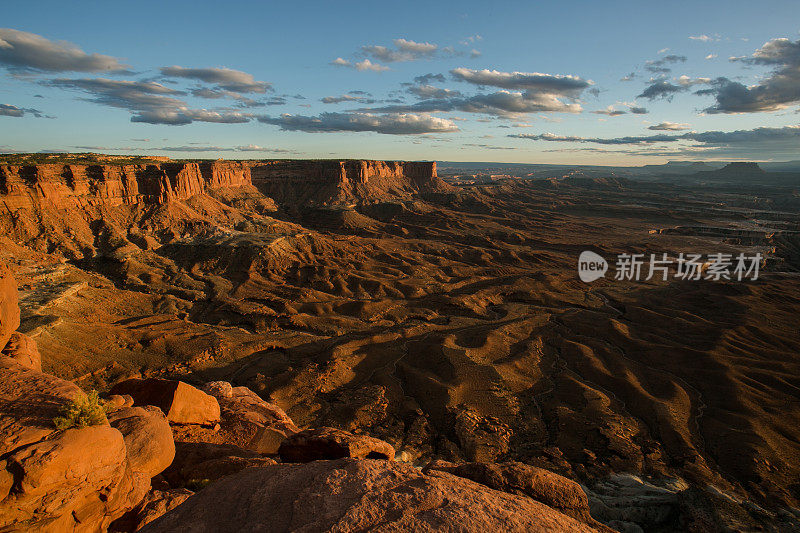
(328, 181)
(293, 182)
(75, 186)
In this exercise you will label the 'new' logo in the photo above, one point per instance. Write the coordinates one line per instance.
(591, 266)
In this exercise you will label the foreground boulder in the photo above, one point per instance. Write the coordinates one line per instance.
(78, 478)
(24, 351)
(182, 403)
(356, 495)
(148, 438)
(248, 420)
(9, 305)
(331, 443)
(154, 504)
(200, 462)
(544, 486)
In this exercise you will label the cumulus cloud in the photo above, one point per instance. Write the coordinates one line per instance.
(7, 110)
(471, 39)
(182, 116)
(392, 124)
(659, 66)
(487, 146)
(530, 81)
(226, 79)
(376, 56)
(214, 93)
(598, 140)
(22, 52)
(347, 98)
(149, 102)
(201, 148)
(610, 111)
(756, 135)
(369, 65)
(637, 110)
(757, 142)
(663, 89)
(429, 91)
(501, 103)
(366, 64)
(704, 38)
(523, 93)
(120, 93)
(405, 50)
(427, 79)
(669, 126)
(777, 91)
(105, 148)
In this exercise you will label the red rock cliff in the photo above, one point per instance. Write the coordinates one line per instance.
(75, 186)
(293, 183)
(323, 182)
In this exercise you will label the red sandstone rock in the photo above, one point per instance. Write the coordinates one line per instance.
(73, 186)
(182, 403)
(254, 423)
(29, 400)
(24, 351)
(483, 439)
(542, 485)
(148, 438)
(57, 480)
(154, 505)
(9, 305)
(203, 461)
(331, 443)
(74, 472)
(330, 181)
(355, 495)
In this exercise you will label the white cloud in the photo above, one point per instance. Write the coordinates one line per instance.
(369, 65)
(704, 38)
(28, 52)
(227, 79)
(669, 126)
(391, 124)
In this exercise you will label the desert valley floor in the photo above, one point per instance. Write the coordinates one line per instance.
(445, 319)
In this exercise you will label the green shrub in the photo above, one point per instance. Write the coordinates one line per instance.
(196, 484)
(85, 410)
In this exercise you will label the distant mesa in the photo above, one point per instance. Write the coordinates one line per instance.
(738, 169)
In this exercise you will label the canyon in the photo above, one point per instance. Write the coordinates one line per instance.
(443, 319)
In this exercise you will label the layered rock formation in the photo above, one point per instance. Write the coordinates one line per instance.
(77, 186)
(112, 210)
(66, 186)
(327, 182)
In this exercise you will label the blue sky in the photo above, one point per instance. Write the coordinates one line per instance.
(612, 82)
